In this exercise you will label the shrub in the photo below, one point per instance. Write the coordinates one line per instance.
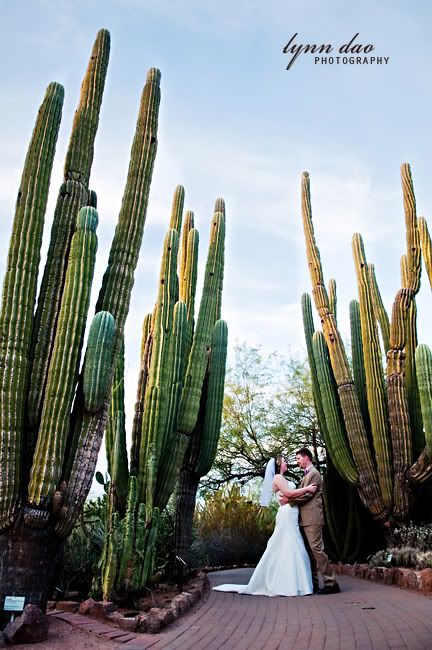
(406, 556)
(230, 529)
(83, 548)
(417, 536)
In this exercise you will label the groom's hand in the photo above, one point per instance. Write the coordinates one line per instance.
(283, 500)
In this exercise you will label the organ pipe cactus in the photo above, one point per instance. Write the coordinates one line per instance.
(424, 378)
(179, 395)
(349, 402)
(52, 418)
(202, 448)
(379, 410)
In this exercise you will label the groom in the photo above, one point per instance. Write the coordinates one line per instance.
(311, 523)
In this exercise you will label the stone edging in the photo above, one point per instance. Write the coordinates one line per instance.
(420, 581)
(150, 622)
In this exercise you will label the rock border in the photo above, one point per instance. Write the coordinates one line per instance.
(417, 580)
(150, 622)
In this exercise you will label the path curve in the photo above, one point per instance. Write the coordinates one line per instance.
(365, 616)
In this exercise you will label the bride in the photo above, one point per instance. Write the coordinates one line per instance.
(284, 569)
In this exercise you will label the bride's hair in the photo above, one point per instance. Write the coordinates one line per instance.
(278, 463)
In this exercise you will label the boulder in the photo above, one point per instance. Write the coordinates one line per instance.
(99, 609)
(425, 580)
(67, 605)
(86, 606)
(127, 623)
(30, 627)
(150, 622)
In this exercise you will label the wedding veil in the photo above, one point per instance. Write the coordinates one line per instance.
(266, 490)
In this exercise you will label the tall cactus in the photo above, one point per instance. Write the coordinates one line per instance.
(202, 448)
(350, 406)
(48, 457)
(19, 292)
(384, 414)
(74, 194)
(174, 362)
(116, 289)
(375, 391)
(424, 377)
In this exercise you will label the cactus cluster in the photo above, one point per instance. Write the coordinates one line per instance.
(374, 418)
(52, 416)
(180, 391)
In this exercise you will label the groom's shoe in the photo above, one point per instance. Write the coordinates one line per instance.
(329, 589)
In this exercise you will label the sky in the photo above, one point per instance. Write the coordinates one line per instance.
(234, 122)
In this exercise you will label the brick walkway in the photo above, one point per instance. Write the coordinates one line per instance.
(364, 616)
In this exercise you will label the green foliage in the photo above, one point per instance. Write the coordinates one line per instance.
(417, 535)
(410, 546)
(230, 529)
(268, 409)
(406, 556)
(83, 548)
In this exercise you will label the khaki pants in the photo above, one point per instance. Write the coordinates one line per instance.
(312, 536)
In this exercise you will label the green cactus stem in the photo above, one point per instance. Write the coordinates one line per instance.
(188, 279)
(146, 342)
(375, 390)
(214, 402)
(308, 326)
(339, 448)
(426, 246)
(378, 306)
(177, 362)
(74, 194)
(156, 401)
(117, 286)
(177, 208)
(413, 249)
(411, 387)
(203, 443)
(187, 227)
(98, 361)
(197, 364)
(109, 568)
(64, 365)
(19, 293)
(333, 297)
(368, 482)
(128, 531)
(116, 447)
(400, 427)
(424, 377)
(358, 359)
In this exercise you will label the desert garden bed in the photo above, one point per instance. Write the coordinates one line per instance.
(150, 613)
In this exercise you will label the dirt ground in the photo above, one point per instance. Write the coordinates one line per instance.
(62, 636)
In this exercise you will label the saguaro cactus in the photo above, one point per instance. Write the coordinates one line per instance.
(48, 458)
(386, 416)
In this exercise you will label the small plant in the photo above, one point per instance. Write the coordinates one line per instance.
(400, 557)
(83, 548)
(424, 560)
(418, 536)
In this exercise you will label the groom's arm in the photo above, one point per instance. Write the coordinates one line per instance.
(309, 479)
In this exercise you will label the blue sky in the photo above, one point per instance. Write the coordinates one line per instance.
(235, 123)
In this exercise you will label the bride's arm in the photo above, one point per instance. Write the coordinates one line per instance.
(280, 484)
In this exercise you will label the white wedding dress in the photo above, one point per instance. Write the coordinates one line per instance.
(284, 569)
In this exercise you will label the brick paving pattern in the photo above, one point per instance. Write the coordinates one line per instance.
(365, 616)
